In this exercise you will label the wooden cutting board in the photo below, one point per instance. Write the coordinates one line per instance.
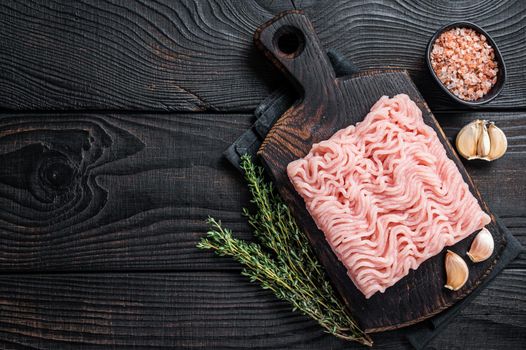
(330, 104)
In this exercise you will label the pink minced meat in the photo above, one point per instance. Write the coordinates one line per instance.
(386, 195)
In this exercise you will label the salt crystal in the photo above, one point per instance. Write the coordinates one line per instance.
(462, 57)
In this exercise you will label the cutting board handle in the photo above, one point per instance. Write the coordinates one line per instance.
(290, 42)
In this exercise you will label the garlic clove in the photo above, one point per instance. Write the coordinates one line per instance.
(482, 246)
(456, 270)
(498, 141)
(467, 138)
(483, 144)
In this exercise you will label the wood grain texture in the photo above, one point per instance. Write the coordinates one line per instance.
(328, 105)
(211, 310)
(197, 55)
(151, 175)
(155, 209)
(95, 192)
(394, 33)
(156, 55)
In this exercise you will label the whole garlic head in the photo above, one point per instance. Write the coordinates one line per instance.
(481, 139)
(482, 246)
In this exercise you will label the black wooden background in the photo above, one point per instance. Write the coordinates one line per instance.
(114, 115)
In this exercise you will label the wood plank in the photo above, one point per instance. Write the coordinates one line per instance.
(193, 55)
(157, 199)
(158, 55)
(394, 33)
(115, 192)
(206, 309)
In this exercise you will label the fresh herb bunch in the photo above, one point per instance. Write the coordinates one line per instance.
(283, 260)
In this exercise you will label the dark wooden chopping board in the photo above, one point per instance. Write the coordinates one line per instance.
(330, 104)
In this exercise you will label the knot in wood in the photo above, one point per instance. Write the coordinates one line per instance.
(57, 172)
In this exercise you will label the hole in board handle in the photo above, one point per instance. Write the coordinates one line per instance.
(290, 41)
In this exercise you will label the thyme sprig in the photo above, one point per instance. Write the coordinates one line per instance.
(282, 261)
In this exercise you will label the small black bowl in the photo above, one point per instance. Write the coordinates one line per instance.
(501, 74)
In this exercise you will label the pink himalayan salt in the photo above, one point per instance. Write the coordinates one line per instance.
(465, 63)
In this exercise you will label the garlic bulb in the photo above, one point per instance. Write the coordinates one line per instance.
(456, 270)
(482, 246)
(481, 139)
